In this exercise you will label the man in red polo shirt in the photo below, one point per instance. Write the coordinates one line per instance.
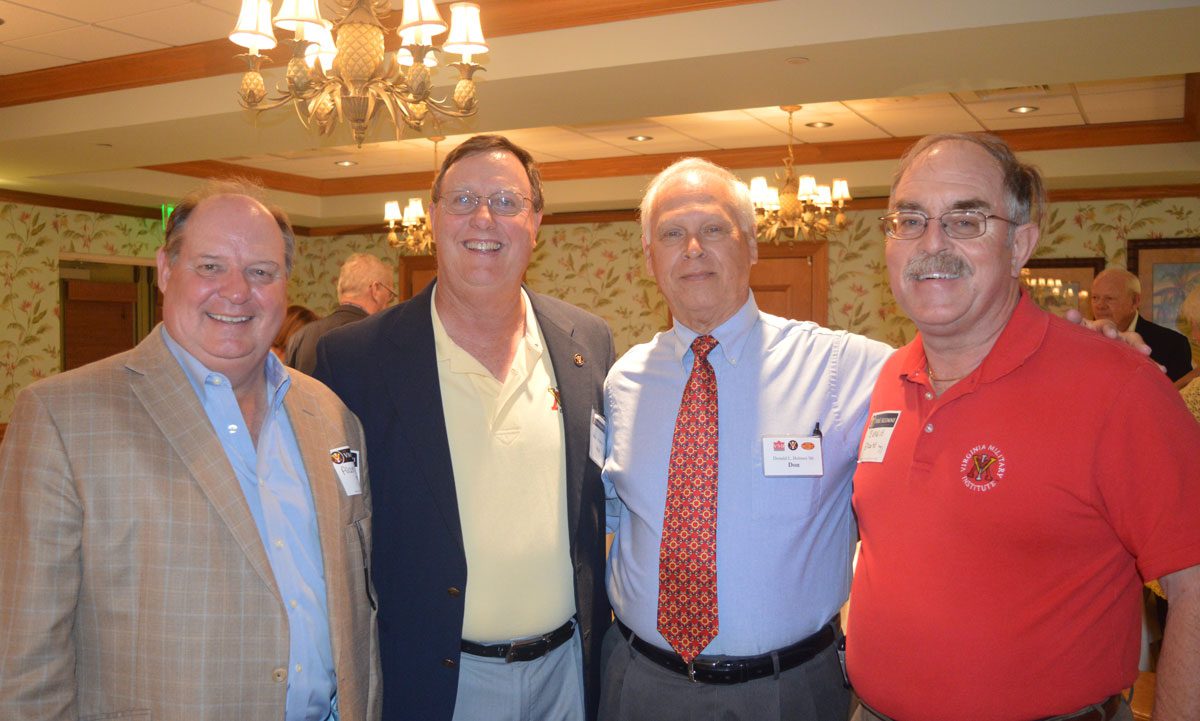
(1006, 528)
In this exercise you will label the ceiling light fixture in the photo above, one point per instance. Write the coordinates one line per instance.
(339, 71)
(1024, 109)
(345, 163)
(799, 208)
(418, 237)
(640, 138)
(819, 124)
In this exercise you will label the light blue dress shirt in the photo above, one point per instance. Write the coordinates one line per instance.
(784, 544)
(276, 487)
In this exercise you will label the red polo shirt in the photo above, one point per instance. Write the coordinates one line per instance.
(1008, 528)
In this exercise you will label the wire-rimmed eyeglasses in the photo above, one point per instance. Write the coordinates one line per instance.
(464, 202)
(958, 224)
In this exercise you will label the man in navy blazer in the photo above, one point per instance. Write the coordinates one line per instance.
(1116, 294)
(477, 398)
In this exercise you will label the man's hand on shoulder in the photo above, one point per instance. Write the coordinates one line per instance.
(1108, 329)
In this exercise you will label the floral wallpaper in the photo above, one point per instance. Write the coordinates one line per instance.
(597, 266)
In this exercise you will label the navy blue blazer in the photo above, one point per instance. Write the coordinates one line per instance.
(1168, 348)
(385, 369)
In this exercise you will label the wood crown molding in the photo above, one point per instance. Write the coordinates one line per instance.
(218, 57)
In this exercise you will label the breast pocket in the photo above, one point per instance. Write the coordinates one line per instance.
(785, 497)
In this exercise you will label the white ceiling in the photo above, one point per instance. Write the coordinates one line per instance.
(696, 81)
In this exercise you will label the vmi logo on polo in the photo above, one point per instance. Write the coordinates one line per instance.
(982, 468)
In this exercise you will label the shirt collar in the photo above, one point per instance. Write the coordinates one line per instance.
(731, 335)
(201, 377)
(1022, 335)
(462, 362)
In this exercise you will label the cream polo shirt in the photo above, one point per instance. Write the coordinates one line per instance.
(506, 448)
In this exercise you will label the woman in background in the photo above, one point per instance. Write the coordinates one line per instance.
(297, 317)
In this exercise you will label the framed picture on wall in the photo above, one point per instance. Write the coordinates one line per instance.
(1168, 269)
(1060, 284)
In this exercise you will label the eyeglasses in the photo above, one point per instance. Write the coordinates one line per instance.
(391, 293)
(958, 224)
(464, 202)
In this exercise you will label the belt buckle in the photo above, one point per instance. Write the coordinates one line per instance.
(516, 646)
(691, 671)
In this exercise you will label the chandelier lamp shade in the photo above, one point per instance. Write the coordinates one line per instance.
(799, 207)
(340, 72)
(415, 233)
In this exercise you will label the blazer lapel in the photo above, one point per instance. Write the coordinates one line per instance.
(164, 390)
(409, 363)
(575, 392)
(309, 426)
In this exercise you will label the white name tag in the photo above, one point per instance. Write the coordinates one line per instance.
(792, 456)
(879, 434)
(345, 463)
(596, 446)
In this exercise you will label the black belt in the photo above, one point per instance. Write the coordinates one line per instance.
(1105, 711)
(734, 669)
(526, 649)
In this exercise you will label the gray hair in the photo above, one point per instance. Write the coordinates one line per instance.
(177, 222)
(359, 272)
(1023, 188)
(1132, 283)
(739, 193)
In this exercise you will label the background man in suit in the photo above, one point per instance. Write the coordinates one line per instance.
(175, 541)
(364, 286)
(477, 398)
(1116, 294)
(1002, 557)
(784, 535)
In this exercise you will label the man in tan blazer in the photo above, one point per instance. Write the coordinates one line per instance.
(185, 528)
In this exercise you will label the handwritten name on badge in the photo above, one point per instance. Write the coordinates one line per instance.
(345, 463)
(878, 436)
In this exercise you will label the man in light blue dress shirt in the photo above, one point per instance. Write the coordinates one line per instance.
(792, 401)
(185, 527)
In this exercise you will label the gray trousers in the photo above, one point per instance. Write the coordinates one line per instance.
(634, 688)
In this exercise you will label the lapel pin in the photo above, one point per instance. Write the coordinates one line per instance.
(579, 360)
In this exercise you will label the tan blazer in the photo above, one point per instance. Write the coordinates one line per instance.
(133, 582)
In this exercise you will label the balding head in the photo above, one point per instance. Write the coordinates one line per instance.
(1115, 295)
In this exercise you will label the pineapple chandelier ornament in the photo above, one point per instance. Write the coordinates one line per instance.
(339, 70)
(799, 208)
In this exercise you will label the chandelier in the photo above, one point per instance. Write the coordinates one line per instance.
(414, 224)
(801, 207)
(339, 70)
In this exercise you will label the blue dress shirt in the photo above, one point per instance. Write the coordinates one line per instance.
(784, 544)
(276, 487)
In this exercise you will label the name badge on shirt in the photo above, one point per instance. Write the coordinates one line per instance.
(879, 434)
(345, 463)
(792, 456)
(596, 446)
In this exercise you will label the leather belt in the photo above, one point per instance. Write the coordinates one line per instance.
(734, 669)
(526, 649)
(1105, 711)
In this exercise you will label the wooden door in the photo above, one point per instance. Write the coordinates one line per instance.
(792, 280)
(99, 319)
(416, 272)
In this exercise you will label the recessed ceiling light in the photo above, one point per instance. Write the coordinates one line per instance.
(640, 138)
(819, 124)
(345, 163)
(1023, 109)
(796, 60)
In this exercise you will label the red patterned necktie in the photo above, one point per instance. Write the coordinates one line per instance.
(687, 560)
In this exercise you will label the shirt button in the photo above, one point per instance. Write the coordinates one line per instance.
(297, 668)
(279, 674)
(454, 592)
(929, 428)
(928, 396)
(278, 543)
(449, 662)
(233, 428)
(294, 603)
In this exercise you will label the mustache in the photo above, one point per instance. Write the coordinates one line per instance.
(944, 263)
